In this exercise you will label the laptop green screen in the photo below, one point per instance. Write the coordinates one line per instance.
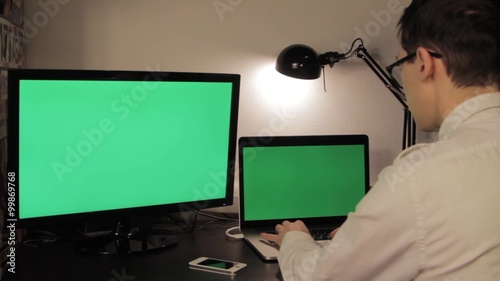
(307, 181)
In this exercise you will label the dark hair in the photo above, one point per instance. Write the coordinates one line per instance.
(466, 32)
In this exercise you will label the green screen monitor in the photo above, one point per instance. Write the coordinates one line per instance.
(87, 144)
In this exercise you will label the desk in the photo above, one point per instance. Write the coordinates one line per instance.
(58, 261)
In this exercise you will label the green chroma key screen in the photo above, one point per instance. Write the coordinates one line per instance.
(100, 145)
(283, 182)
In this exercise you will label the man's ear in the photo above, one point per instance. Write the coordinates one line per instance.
(426, 63)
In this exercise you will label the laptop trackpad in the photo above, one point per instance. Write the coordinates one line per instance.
(267, 250)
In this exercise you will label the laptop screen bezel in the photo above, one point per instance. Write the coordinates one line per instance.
(308, 140)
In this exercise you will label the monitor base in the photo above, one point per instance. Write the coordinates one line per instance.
(126, 241)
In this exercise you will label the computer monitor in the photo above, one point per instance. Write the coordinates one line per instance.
(92, 144)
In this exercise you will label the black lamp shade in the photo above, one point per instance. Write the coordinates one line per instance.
(299, 61)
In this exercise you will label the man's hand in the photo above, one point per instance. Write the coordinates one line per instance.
(334, 232)
(284, 228)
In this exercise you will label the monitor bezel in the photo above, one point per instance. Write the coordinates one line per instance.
(16, 75)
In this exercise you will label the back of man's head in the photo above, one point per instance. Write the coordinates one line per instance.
(466, 32)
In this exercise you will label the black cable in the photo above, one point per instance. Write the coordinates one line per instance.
(352, 45)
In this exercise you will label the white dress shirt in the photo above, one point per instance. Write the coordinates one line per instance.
(432, 215)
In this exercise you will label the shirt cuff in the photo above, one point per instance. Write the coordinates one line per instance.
(296, 247)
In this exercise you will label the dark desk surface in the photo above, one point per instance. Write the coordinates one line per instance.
(59, 261)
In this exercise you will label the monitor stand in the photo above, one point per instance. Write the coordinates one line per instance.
(125, 241)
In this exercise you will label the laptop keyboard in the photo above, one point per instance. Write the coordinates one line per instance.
(317, 234)
(321, 234)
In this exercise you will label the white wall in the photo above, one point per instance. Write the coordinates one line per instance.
(239, 36)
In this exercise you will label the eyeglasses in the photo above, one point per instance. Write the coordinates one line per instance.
(394, 69)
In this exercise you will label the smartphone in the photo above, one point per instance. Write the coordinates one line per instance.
(217, 265)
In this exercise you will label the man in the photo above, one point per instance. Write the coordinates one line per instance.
(433, 214)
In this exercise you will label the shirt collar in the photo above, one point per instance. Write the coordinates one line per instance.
(466, 110)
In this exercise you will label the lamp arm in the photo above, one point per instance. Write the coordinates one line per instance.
(409, 126)
(363, 54)
(301, 61)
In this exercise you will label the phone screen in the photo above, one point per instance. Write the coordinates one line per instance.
(217, 263)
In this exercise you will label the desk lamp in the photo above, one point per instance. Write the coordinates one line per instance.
(303, 62)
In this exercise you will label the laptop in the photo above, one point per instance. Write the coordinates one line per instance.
(317, 179)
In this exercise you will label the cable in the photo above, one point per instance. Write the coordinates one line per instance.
(234, 236)
(347, 54)
(217, 217)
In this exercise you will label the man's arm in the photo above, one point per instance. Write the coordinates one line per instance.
(379, 241)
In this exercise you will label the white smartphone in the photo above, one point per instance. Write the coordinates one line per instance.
(217, 265)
